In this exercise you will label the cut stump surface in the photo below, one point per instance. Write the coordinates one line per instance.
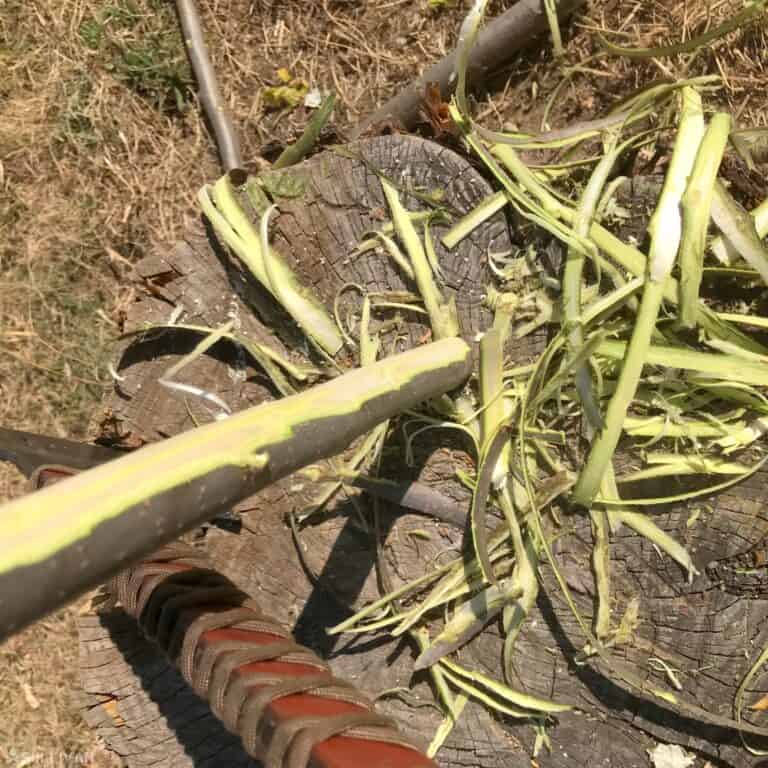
(710, 631)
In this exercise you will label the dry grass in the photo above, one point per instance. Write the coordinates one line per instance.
(38, 678)
(596, 81)
(102, 149)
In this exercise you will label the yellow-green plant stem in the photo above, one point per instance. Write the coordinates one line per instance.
(37, 526)
(697, 204)
(665, 229)
(550, 6)
(297, 151)
(468, 32)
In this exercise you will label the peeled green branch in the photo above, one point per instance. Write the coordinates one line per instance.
(665, 229)
(697, 204)
(151, 496)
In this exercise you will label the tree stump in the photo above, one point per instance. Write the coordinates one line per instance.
(711, 630)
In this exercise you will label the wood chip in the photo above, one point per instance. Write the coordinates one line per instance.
(29, 696)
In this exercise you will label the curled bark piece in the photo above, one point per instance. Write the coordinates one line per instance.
(496, 45)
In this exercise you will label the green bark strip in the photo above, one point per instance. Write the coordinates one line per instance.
(223, 210)
(442, 313)
(601, 566)
(666, 231)
(494, 449)
(724, 249)
(516, 698)
(697, 204)
(726, 367)
(467, 622)
(64, 539)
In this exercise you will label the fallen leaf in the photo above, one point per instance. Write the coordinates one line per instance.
(290, 93)
(284, 96)
(288, 185)
(670, 756)
(436, 110)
